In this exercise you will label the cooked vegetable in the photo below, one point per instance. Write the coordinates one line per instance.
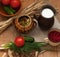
(19, 41)
(29, 39)
(9, 10)
(24, 20)
(54, 36)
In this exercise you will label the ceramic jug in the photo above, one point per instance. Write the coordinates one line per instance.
(47, 21)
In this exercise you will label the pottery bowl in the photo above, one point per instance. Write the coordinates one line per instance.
(3, 13)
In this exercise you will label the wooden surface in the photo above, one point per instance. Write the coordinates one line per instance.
(10, 33)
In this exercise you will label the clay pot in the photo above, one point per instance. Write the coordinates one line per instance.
(28, 24)
(46, 23)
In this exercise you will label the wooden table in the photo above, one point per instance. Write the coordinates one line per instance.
(10, 33)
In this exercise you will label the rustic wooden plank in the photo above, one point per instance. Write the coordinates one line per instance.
(58, 51)
(49, 54)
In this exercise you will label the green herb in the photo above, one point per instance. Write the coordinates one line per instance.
(28, 47)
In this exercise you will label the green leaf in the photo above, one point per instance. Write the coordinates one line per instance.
(28, 47)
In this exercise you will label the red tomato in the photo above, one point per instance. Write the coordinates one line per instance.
(5, 2)
(19, 41)
(15, 3)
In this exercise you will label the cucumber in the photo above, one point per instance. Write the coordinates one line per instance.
(12, 9)
(29, 39)
(9, 10)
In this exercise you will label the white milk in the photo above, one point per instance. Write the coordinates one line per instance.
(47, 13)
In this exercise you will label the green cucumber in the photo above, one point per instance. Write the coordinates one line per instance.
(12, 9)
(9, 10)
(29, 39)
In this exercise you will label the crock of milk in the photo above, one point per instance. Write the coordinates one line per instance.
(47, 13)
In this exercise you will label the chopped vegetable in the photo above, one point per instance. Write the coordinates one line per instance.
(12, 9)
(24, 20)
(54, 36)
(9, 10)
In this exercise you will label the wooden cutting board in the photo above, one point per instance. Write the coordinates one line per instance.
(10, 33)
